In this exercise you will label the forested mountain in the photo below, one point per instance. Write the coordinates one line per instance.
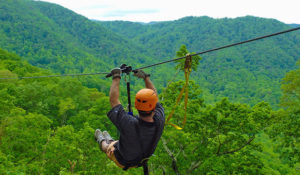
(254, 69)
(50, 36)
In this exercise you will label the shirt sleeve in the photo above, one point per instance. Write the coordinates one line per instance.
(159, 111)
(119, 117)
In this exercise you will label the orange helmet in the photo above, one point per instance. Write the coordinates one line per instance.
(145, 100)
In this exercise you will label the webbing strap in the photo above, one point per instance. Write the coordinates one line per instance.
(145, 168)
(128, 94)
(187, 71)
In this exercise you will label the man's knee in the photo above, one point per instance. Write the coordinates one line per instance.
(104, 146)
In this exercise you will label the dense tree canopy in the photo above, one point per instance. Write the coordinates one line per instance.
(286, 130)
(47, 127)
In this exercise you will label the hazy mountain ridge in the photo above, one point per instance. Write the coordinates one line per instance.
(198, 33)
(295, 25)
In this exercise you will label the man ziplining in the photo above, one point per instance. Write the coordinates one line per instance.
(138, 135)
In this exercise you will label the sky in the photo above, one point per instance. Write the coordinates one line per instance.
(286, 11)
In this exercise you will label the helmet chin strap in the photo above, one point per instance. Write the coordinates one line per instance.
(145, 114)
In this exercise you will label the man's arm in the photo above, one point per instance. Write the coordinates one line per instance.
(114, 88)
(114, 92)
(149, 84)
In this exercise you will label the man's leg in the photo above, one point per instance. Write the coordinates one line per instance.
(100, 138)
(107, 137)
(104, 146)
(103, 139)
(108, 146)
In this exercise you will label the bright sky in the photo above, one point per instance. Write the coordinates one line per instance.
(287, 11)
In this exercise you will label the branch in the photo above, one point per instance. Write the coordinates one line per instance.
(163, 169)
(72, 166)
(219, 147)
(235, 150)
(181, 150)
(194, 165)
(174, 161)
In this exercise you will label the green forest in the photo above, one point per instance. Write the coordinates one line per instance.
(243, 112)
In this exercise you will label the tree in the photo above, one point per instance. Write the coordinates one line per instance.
(286, 129)
(217, 138)
(291, 91)
(23, 139)
(64, 106)
(183, 52)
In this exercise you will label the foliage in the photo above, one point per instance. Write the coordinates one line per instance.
(215, 137)
(183, 52)
(50, 36)
(286, 130)
(248, 73)
(35, 134)
(291, 91)
(47, 125)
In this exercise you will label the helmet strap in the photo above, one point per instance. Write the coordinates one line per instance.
(145, 113)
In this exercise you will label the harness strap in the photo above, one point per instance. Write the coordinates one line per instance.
(146, 170)
(128, 95)
(187, 71)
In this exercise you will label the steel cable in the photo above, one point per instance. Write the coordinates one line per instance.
(223, 47)
(156, 64)
(50, 76)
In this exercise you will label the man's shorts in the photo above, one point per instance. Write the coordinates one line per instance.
(110, 154)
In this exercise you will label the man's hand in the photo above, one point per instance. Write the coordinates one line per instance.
(116, 73)
(141, 74)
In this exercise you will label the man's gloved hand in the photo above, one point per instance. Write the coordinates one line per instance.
(141, 74)
(116, 73)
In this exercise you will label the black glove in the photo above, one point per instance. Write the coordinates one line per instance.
(116, 73)
(141, 74)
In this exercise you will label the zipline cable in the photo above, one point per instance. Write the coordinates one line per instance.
(223, 47)
(156, 64)
(50, 76)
